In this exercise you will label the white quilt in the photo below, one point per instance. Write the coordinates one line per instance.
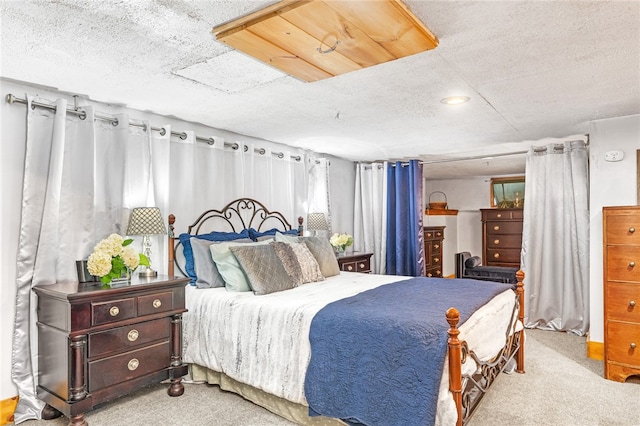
(263, 340)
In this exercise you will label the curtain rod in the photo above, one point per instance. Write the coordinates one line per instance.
(483, 157)
(182, 135)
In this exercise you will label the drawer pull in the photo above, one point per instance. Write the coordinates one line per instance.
(429, 274)
(429, 234)
(157, 303)
(439, 234)
(438, 272)
(499, 215)
(632, 303)
(496, 255)
(361, 266)
(436, 246)
(133, 364)
(349, 268)
(114, 311)
(436, 259)
(496, 228)
(632, 264)
(632, 230)
(133, 335)
(496, 242)
(632, 345)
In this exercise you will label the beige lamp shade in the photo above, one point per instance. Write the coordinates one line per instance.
(146, 221)
(317, 222)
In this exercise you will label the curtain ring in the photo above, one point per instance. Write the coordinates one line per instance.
(262, 151)
(162, 131)
(235, 146)
(211, 141)
(246, 148)
(82, 115)
(183, 136)
(144, 127)
(280, 155)
(115, 122)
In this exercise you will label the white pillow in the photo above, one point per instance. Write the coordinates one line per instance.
(228, 266)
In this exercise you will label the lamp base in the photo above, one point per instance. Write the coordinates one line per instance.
(148, 273)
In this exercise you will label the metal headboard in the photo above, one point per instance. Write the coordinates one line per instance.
(243, 213)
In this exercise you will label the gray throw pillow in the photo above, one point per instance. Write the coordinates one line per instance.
(263, 268)
(308, 264)
(324, 254)
(207, 274)
(289, 260)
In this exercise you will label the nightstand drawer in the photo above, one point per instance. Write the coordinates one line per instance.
(124, 338)
(129, 365)
(154, 303)
(112, 311)
(356, 262)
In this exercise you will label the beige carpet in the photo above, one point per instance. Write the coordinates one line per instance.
(561, 387)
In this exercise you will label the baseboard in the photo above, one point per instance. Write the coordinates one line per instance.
(450, 276)
(7, 408)
(595, 350)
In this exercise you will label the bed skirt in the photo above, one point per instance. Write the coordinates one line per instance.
(291, 411)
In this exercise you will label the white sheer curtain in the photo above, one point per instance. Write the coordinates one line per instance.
(555, 238)
(370, 213)
(318, 195)
(83, 176)
(80, 176)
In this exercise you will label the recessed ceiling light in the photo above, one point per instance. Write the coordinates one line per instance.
(455, 100)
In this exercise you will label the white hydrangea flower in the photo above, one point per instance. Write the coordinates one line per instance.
(130, 257)
(111, 245)
(99, 263)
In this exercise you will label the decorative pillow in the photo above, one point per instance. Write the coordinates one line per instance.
(472, 262)
(228, 266)
(207, 275)
(308, 263)
(263, 268)
(289, 261)
(185, 239)
(323, 252)
(256, 235)
(280, 237)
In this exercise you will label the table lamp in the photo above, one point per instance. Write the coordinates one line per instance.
(317, 222)
(146, 221)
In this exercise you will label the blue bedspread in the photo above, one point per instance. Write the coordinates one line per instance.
(377, 357)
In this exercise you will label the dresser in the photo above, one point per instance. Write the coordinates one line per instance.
(621, 250)
(97, 342)
(355, 262)
(501, 237)
(433, 239)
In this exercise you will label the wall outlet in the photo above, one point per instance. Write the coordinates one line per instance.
(613, 155)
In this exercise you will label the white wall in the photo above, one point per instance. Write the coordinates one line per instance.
(12, 135)
(611, 184)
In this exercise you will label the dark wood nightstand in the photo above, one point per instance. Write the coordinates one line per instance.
(355, 262)
(96, 344)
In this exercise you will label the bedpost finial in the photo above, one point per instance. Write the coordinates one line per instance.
(453, 316)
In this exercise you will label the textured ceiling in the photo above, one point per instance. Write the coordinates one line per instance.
(533, 69)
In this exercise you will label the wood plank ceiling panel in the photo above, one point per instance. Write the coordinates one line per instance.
(316, 39)
(331, 27)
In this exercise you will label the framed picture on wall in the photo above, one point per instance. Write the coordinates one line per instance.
(508, 192)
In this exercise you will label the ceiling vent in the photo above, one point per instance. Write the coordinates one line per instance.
(313, 40)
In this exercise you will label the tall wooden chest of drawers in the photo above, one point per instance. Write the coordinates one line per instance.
(502, 237)
(621, 249)
(97, 342)
(433, 238)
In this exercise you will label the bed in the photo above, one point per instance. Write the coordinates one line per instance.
(269, 346)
